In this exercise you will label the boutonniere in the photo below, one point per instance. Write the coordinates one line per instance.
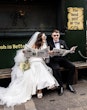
(61, 46)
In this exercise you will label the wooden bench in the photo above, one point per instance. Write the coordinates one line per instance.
(6, 73)
(78, 65)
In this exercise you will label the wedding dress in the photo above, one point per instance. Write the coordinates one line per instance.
(24, 84)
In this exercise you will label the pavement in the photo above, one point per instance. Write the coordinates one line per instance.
(52, 101)
(68, 101)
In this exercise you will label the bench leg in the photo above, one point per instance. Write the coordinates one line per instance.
(75, 76)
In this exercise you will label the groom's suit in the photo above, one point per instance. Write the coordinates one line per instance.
(58, 61)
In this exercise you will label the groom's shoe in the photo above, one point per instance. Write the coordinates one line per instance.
(71, 89)
(60, 90)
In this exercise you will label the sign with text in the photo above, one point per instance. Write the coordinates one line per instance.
(75, 18)
(11, 46)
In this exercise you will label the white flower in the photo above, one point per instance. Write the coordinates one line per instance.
(61, 46)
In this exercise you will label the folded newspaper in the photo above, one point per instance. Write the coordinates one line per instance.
(36, 53)
(63, 52)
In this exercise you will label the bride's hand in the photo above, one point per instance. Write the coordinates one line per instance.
(51, 52)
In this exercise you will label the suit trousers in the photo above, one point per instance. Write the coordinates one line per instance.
(56, 63)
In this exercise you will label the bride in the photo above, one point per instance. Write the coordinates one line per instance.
(25, 83)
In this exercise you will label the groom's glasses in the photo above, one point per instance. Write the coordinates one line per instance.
(55, 35)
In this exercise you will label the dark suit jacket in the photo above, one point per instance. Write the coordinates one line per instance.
(62, 44)
(52, 45)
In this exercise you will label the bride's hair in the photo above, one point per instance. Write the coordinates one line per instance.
(39, 41)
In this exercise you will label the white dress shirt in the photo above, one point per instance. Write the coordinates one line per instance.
(57, 44)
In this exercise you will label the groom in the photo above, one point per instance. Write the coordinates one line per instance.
(61, 61)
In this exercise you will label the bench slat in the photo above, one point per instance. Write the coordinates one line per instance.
(5, 73)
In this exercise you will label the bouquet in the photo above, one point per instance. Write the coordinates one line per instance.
(24, 65)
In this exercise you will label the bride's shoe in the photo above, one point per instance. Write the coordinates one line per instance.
(39, 95)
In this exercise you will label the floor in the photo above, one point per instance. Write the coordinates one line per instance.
(51, 100)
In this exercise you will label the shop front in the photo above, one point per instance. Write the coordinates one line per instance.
(19, 19)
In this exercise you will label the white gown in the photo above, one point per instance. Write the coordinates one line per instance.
(25, 84)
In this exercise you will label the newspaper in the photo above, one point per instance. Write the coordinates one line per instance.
(63, 52)
(36, 53)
